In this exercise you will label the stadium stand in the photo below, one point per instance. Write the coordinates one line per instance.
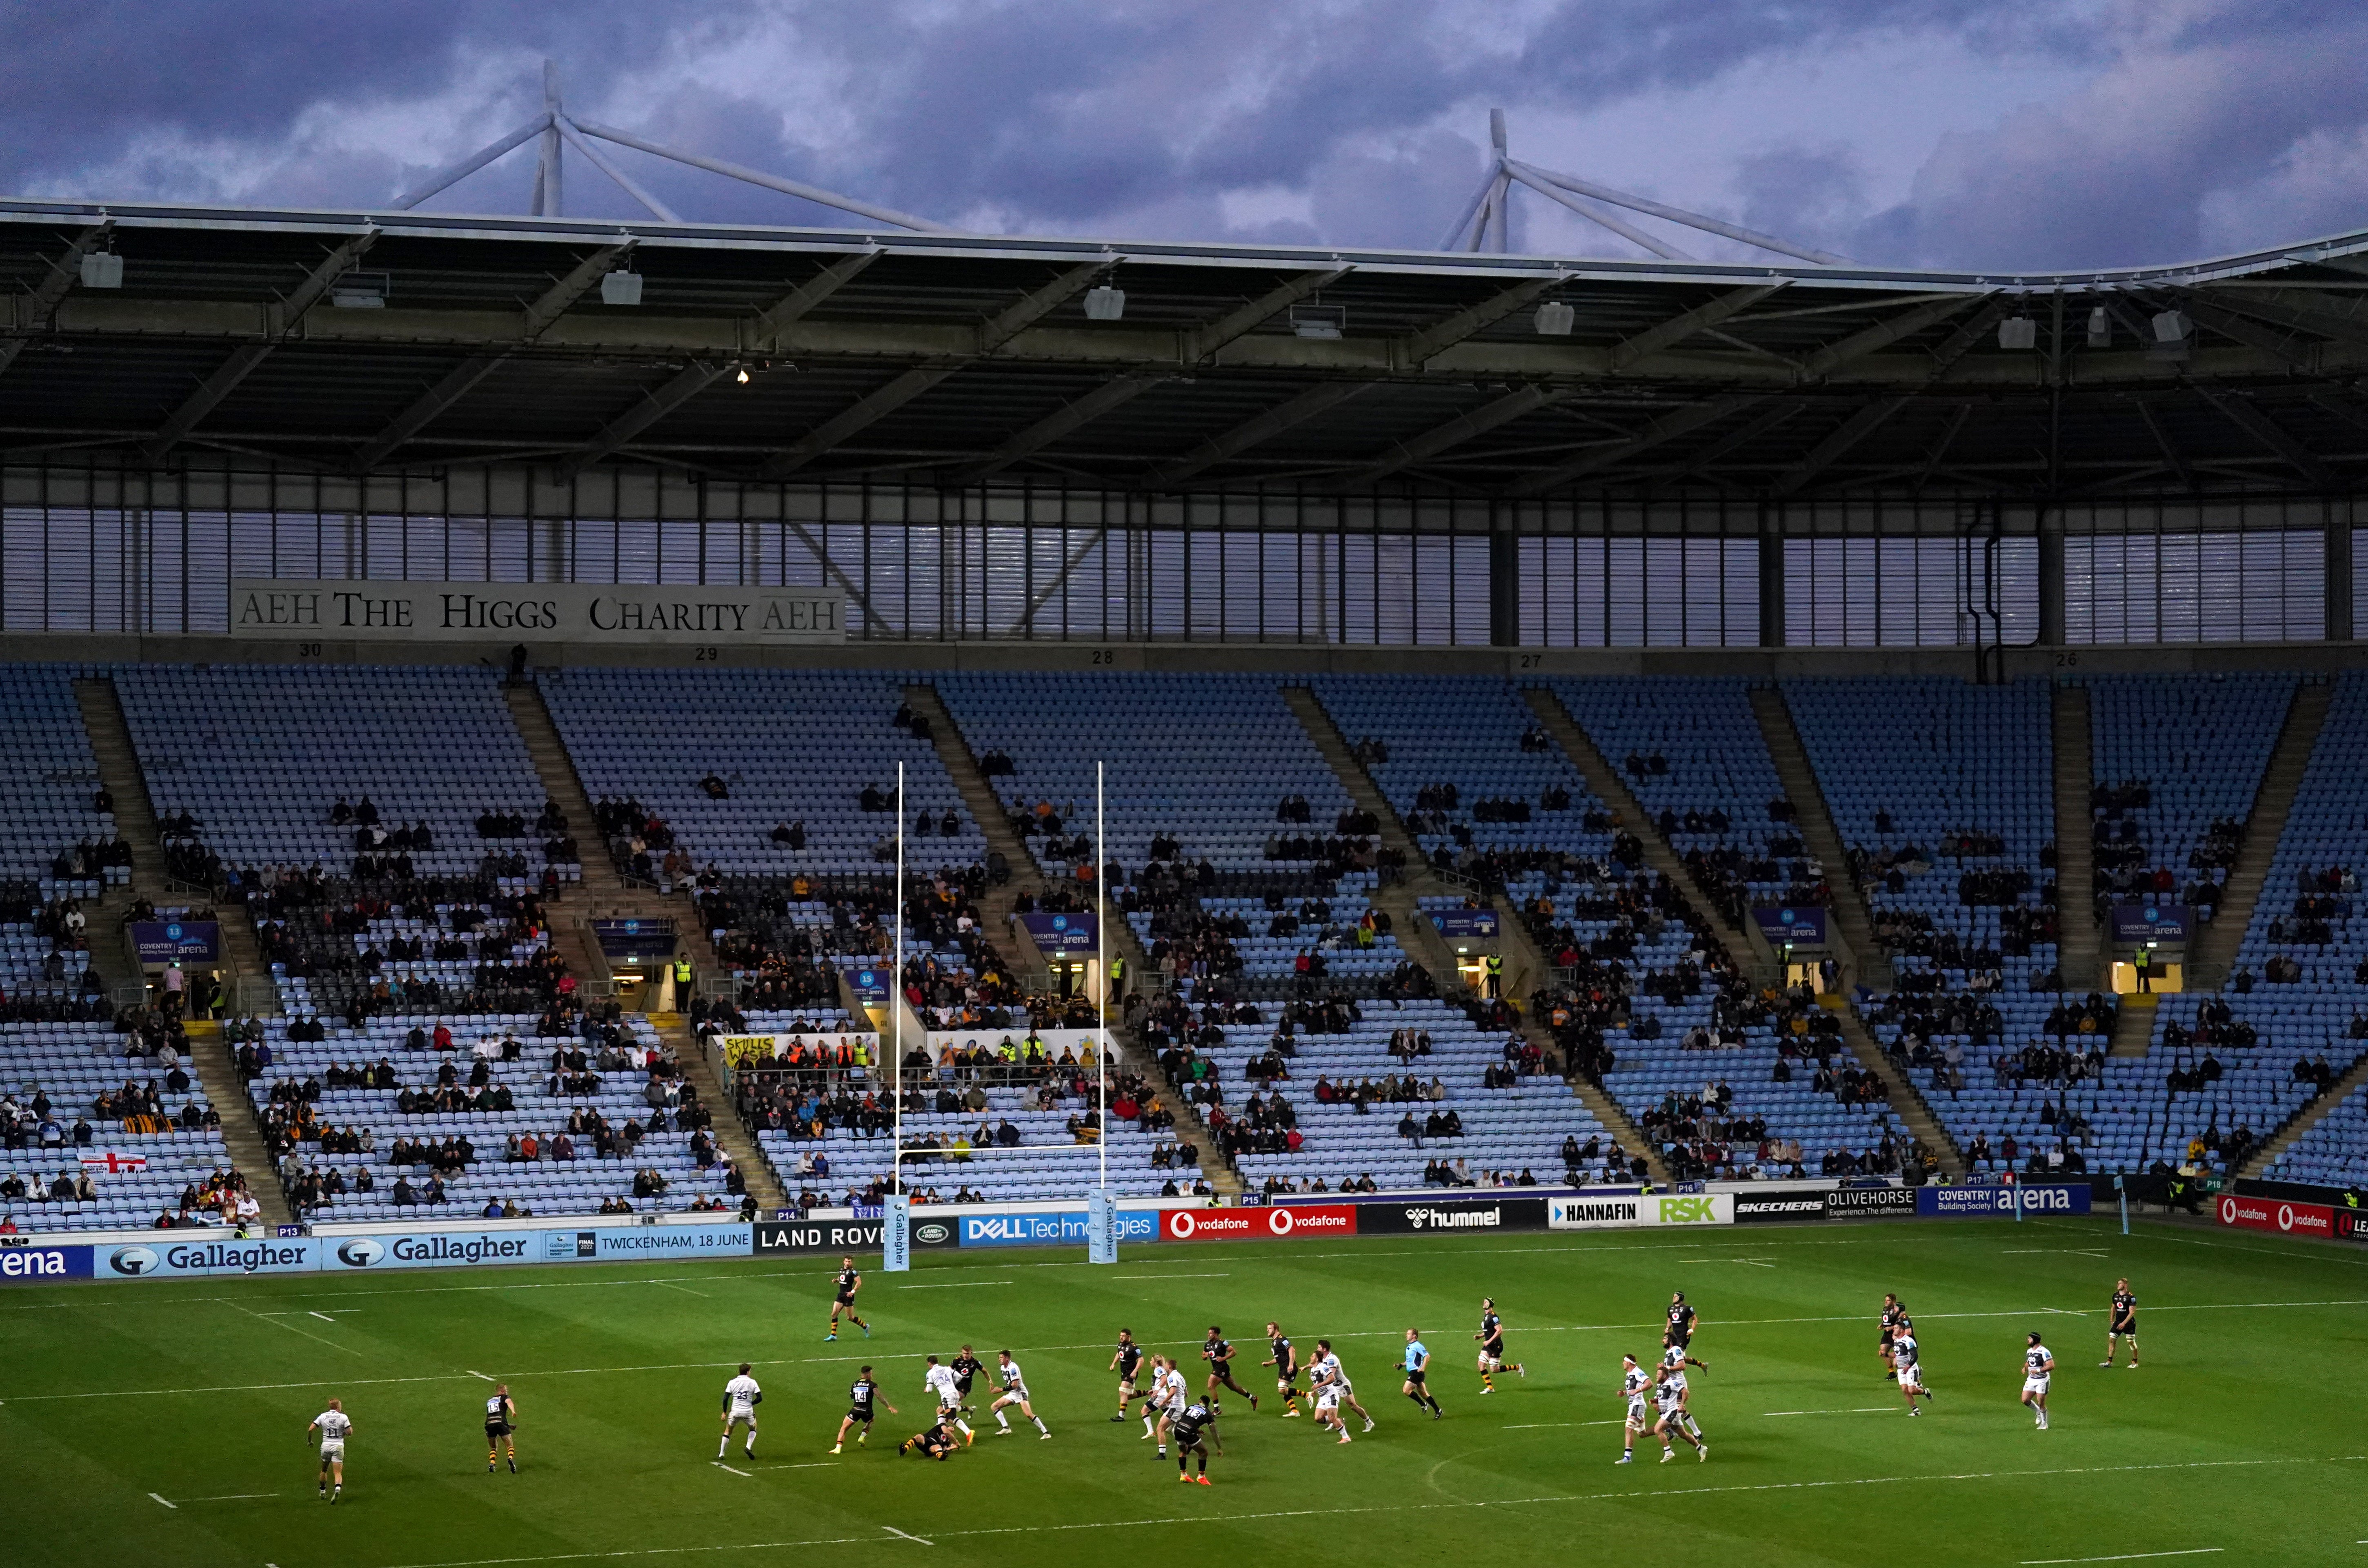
(126, 1129)
(2334, 1151)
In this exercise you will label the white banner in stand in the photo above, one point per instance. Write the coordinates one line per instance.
(343, 610)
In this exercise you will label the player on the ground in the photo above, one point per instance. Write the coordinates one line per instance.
(1219, 1354)
(1492, 1347)
(941, 1381)
(1681, 1320)
(937, 1442)
(1326, 1394)
(1672, 1373)
(1015, 1391)
(2038, 1366)
(849, 1282)
(1416, 1364)
(1338, 1378)
(1907, 1366)
(2123, 1322)
(1888, 1330)
(1192, 1428)
(861, 1395)
(501, 1425)
(1129, 1358)
(1635, 1388)
(1285, 1363)
(335, 1425)
(966, 1365)
(1669, 1398)
(741, 1398)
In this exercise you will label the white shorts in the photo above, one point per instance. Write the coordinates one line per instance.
(744, 1412)
(1330, 1399)
(946, 1407)
(1911, 1377)
(1637, 1416)
(2034, 1385)
(1173, 1412)
(1126, 1388)
(333, 1447)
(1017, 1392)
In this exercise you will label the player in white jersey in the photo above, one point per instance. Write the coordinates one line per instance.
(335, 1425)
(1326, 1394)
(1670, 1400)
(1906, 1364)
(1675, 1359)
(1636, 1389)
(946, 1384)
(2038, 1366)
(1170, 1396)
(1340, 1378)
(1015, 1391)
(741, 1397)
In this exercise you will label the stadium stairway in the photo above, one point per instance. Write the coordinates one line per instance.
(1525, 966)
(979, 799)
(1817, 833)
(2134, 1026)
(1907, 1103)
(731, 1135)
(2306, 1119)
(2208, 962)
(2075, 864)
(218, 1075)
(135, 818)
(1613, 791)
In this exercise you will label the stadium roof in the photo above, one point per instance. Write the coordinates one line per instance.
(372, 342)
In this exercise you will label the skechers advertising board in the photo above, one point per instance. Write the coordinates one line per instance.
(1643, 1208)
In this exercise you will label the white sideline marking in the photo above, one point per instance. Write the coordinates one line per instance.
(324, 1317)
(892, 1529)
(173, 1505)
(1541, 1426)
(292, 1328)
(741, 1474)
(669, 1285)
(231, 1497)
(1860, 1410)
(1221, 1276)
(956, 1285)
(475, 1373)
(2056, 1252)
(1381, 1508)
(2126, 1556)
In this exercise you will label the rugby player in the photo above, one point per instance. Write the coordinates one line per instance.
(1681, 1320)
(966, 1365)
(941, 1382)
(1286, 1368)
(1670, 1400)
(1888, 1327)
(937, 1442)
(861, 1395)
(1193, 1424)
(1672, 1373)
(1015, 1391)
(849, 1282)
(1418, 1368)
(1907, 1367)
(1635, 1387)
(741, 1397)
(1326, 1394)
(2038, 1366)
(2123, 1322)
(1165, 1403)
(1336, 1376)
(501, 1423)
(1492, 1347)
(1129, 1357)
(335, 1425)
(1219, 1354)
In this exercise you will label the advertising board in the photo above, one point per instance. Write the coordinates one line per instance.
(1060, 1228)
(1279, 1222)
(1870, 1202)
(167, 1257)
(775, 1238)
(162, 942)
(1994, 1202)
(2153, 921)
(1452, 1214)
(1794, 926)
(1060, 934)
(1779, 1203)
(1627, 1212)
(34, 1264)
(1475, 923)
(420, 611)
(2277, 1216)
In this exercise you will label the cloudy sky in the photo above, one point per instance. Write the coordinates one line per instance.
(2028, 133)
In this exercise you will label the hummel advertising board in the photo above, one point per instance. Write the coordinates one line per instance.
(1643, 1208)
(1452, 1214)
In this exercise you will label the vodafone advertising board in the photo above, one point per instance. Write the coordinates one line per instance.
(1282, 1222)
(2278, 1216)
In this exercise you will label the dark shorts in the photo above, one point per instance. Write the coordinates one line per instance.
(2128, 1326)
(861, 1417)
(498, 1429)
(1415, 1378)
(846, 1301)
(1493, 1350)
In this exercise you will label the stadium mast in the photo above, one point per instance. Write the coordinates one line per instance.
(554, 130)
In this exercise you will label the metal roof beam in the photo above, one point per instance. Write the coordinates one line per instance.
(2300, 352)
(1882, 334)
(553, 301)
(814, 193)
(686, 384)
(64, 273)
(1669, 427)
(1677, 329)
(1870, 417)
(2240, 412)
(2344, 326)
(1420, 347)
(1534, 180)
(1321, 398)
(453, 174)
(1453, 433)
(2170, 454)
(285, 318)
(575, 137)
(993, 334)
(1201, 342)
(769, 324)
(1691, 219)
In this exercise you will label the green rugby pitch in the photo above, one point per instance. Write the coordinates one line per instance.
(159, 1421)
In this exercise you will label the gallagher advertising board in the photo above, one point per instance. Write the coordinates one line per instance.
(1282, 1221)
(163, 1258)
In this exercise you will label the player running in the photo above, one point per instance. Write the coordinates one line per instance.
(849, 1282)
(1129, 1358)
(861, 1395)
(1015, 1391)
(966, 1365)
(2038, 1366)
(1169, 1397)
(1284, 1360)
(1418, 1368)
(1635, 1387)
(1492, 1347)
(741, 1398)
(1327, 1395)
(1669, 1398)
(1888, 1330)
(501, 1425)
(2123, 1322)
(1672, 1373)
(1336, 1376)
(335, 1425)
(1220, 1357)
(1907, 1366)
(937, 1442)
(941, 1382)
(1193, 1424)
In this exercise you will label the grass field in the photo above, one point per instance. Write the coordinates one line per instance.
(2241, 1438)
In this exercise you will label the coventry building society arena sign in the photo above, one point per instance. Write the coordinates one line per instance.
(540, 612)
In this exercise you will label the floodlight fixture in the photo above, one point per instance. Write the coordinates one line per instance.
(621, 289)
(1105, 303)
(2018, 331)
(2172, 327)
(102, 270)
(1554, 319)
(361, 291)
(2100, 328)
(1324, 321)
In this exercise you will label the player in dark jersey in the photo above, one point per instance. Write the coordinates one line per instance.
(2124, 1321)
(1492, 1347)
(862, 1395)
(966, 1367)
(1681, 1320)
(937, 1442)
(1888, 1328)
(1124, 1363)
(501, 1425)
(1220, 1357)
(1190, 1431)
(1285, 1362)
(849, 1282)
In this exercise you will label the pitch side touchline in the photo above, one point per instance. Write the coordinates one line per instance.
(2125, 1556)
